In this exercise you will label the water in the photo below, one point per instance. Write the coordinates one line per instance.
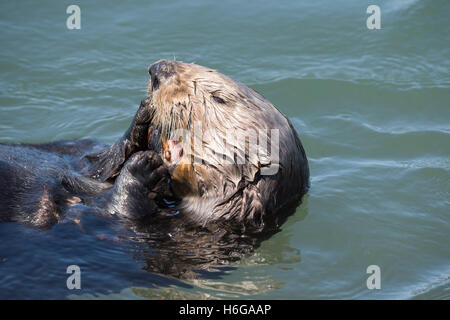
(371, 107)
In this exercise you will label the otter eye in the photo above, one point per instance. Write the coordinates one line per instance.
(218, 99)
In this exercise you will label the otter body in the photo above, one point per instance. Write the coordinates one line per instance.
(38, 182)
(219, 148)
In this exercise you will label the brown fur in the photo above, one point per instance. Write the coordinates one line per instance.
(187, 94)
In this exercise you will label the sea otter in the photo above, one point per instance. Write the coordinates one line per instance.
(180, 149)
(223, 176)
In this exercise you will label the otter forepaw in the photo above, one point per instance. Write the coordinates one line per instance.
(148, 169)
(142, 182)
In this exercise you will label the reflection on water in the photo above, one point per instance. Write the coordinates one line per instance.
(438, 289)
(202, 289)
(171, 247)
(202, 261)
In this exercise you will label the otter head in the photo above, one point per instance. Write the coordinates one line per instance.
(183, 93)
(224, 121)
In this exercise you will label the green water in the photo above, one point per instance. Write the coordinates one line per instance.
(372, 108)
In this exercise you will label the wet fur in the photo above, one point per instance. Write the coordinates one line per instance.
(187, 93)
(38, 182)
(223, 211)
(180, 95)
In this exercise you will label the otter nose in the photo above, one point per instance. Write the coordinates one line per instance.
(160, 70)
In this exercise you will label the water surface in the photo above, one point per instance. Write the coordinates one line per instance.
(371, 107)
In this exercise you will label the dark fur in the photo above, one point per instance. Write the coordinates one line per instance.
(38, 181)
(130, 180)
